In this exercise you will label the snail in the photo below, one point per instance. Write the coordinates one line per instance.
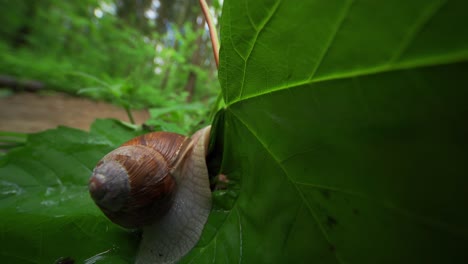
(157, 182)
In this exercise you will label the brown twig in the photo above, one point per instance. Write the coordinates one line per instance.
(20, 85)
(212, 28)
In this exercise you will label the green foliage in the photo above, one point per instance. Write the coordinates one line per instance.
(182, 119)
(343, 137)
(345, 126)
(51, 41)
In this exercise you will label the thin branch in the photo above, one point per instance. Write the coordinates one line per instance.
(19, 84)
(129, 114)
(212, 28)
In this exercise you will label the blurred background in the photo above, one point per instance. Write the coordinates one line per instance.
(69, 62)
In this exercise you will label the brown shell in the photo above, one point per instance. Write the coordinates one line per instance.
(178, 231)
(133, 185)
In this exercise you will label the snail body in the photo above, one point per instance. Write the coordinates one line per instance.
(157, 182)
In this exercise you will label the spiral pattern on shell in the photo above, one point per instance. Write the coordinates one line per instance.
(158, 182)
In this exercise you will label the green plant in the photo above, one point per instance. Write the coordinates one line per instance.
(344, 144)
(52, 41)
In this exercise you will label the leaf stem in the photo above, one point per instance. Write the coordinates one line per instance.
(212, 28)
(129, 114)
(218, 104)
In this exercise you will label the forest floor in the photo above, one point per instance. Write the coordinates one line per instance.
(33, 112)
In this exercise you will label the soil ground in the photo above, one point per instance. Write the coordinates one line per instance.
(32, 112)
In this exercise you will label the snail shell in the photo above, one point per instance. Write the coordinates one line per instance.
(158, 182)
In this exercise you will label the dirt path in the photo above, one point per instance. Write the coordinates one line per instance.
(31, 112)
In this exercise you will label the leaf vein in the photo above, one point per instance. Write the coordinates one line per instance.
(332, 38)
(248, 15)
(240, 236)
(426, 16)
(314, 215)
(407, 65)
(260, 29)
(230, 34)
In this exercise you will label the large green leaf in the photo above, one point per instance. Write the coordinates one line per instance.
(346, 129)
(46, 213)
